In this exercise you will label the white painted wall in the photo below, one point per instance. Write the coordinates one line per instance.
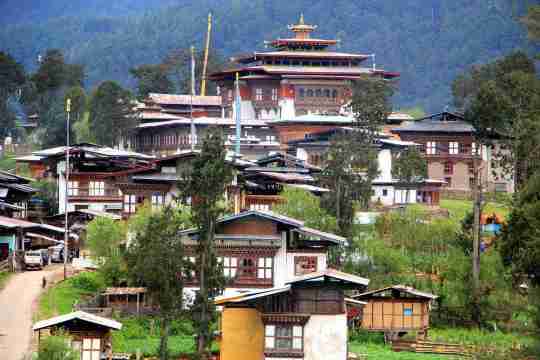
(384, 159)
(288, 110)
(280, 262)
(301, 154)
(325, 337)
(393, 196)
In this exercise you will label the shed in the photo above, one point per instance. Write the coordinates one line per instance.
(90, 334)
(126, 299)
(396, 309)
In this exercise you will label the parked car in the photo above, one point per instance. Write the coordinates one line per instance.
(33, 259)
(57, 253)
(45, 256)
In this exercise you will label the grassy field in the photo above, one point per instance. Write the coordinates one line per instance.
(59, 299)
(459, 208)
(381, 351)
(4, 277)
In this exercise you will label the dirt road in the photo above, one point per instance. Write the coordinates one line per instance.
(16, 301)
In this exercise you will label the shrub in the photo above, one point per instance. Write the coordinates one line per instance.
(56, 348)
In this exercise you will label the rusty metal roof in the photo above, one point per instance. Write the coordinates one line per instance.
(401, 288)
(124, 290)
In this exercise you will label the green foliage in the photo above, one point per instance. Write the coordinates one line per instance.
(47, 192)
(111, 111)
(59, 300)
(4, 277)
(151, 79)
(104, 237)
(206, 184)
(532, 22)
(301, 204)
(8, 162)
(410, 165)
(156, 261)
(12, 77)
(520, 241)
(78, 103)
(371, 103)
(56, 348)
(54, 73)
(83, 132)
(110, 37)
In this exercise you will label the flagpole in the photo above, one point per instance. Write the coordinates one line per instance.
(237, 104)
(191, 97)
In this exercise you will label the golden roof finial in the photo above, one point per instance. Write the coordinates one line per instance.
(301, 22)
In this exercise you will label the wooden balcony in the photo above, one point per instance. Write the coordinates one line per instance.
(106, 194)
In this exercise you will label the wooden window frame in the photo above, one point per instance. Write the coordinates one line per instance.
(247, 272)
(266, 267)
(230, 266)
(431, 148)
(453, 148)
(312, 260)
(73, 188)
(130, 203)
(448, 168)
(96, 188)
(92, 350)
(271, 338)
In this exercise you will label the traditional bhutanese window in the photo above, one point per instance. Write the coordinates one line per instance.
(96, 188)
(327, 93)
(474, 150)
(230, 266)
(431, 148)
(258, 94)
(247, 268)
(334, 93)
(157, 200)
(91, 349)
(73, 188)
(192, 262)
(301, 92)
(453, 148)
(260, 207)
(130, 202)
(471, 168)
(407, 311)
(448, 168)
(283, 337)
(230, 94)
(318, 93)
(304, 265)
(310, 93)
(274, 94)
(264, 268)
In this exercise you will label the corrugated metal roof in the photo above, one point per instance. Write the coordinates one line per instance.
(92, 149)
(12, 223)
(400, 288)
(157, 177)
(124, 290)
(314, 118)
(172, 99)
(332, 274)
(457, 126)
(310, 188)
(203, 121)
(321, 234)
(287, 176)
(29, 158)
(257, 294)
(79, 315)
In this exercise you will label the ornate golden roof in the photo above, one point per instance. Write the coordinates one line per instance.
(302, 29)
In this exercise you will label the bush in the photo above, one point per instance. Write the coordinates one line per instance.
(90, 282)
(56, 348)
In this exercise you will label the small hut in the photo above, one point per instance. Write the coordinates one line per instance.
(126, 299)
(90, 334)
(396, 309)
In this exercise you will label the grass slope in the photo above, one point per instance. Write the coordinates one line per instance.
(4, 277)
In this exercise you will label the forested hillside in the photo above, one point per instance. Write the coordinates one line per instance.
(428, 41)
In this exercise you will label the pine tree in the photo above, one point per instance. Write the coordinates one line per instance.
(111, 113)
(206, 184)
(12, 78)
(155, 260)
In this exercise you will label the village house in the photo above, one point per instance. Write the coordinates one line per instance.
(93, 175)
(448, 143)
(304, 318)
(396, 309)
(387, 190)
(90, 335)
(15, 194)
(261, 249)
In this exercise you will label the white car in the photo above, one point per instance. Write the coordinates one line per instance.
(33, 259)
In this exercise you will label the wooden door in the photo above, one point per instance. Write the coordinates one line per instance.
(4, 251)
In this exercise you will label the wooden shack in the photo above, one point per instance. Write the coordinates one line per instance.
(126, 299)
(90, 334)
(396, 309)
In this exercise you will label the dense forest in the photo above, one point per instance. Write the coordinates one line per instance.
(428, 41)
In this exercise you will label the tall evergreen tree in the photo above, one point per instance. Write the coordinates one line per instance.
(152, 79)
(410, 166)
(111, 111)
(206, 184)
(155, 260)
(12, 78)
(351, 161)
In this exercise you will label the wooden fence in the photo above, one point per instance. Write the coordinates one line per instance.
(430, 347)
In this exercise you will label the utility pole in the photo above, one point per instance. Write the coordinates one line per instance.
(477, 213)
(66, 201)
(192, 123)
